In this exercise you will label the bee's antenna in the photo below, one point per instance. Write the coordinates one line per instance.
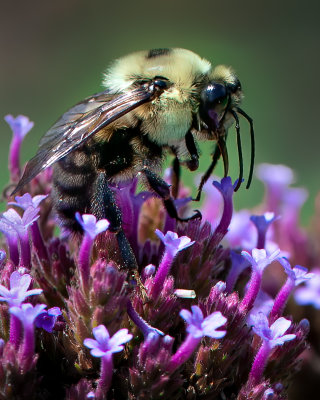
(249, 119)
(239, 150)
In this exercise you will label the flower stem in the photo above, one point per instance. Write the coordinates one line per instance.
(252, 292)
(27, 351)
(14, 158)
(38, 242)
(162, 273)
(183, 353)
(15, 330)
(281, 300)
(259, 363)
(105, 379)
(25, 252)
(84, 262)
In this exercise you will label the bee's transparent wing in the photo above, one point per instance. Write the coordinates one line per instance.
(78, 124)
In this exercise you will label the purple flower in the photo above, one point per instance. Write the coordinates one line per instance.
(199, 326)
(12, 219)
(275, 334)
(173, 243)
(91, 228)
(20, 125)
(262, 223)
(259, 259)
(104, 347)
(18, 292)
(90, 225)
(47, 319)
(310, 293)
(272, 336)
(27, 201)
(297, 274)
(103, 344)
(27, 313)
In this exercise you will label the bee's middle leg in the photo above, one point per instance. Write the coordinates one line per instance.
(159, 186)
(104, 206)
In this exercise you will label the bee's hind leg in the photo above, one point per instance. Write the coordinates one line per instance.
(159, 186)
(104, 206)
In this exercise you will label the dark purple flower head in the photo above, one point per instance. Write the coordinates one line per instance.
(27, 313)
(198, 326)
(104, 345)
(47, 319)
(225, 187)
(18, 292)
(91, 226)
(297, 274)
(275, 334)
(27, 201)
(173, 243)
(20, 125)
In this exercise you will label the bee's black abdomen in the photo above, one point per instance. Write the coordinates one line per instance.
(72, 187)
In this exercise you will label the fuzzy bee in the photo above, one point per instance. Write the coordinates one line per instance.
(154, 102)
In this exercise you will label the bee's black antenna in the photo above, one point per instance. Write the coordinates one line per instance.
(234, 114)
(249, 119)
(224, 152)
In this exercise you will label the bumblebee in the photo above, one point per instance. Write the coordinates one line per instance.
(154, 102)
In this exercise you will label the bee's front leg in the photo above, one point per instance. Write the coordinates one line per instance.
(159, 186)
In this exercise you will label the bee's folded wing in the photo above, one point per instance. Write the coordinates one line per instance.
(78, 124)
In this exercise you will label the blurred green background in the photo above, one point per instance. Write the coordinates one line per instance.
(53, 55)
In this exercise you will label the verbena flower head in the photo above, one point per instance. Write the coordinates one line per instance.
(47, 319)
(259, 258)
(20, 125)
(172, 242)
(10, 219)
(297, 274)
(198, 326)
(27, 313)
(25, 201)
(91, 226)
(103, 344)
(18, 291)
(275, 334)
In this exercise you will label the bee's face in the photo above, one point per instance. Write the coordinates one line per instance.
(191, 85)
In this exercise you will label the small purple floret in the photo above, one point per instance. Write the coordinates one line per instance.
(18, 291)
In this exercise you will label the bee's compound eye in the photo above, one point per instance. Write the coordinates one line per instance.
(161, 82)
(214, 93)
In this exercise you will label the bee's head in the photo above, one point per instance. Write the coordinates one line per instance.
(220, 94)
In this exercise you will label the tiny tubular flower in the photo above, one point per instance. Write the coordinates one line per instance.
(27, 313)
(25, 201)
(259, 259)
(173, 243)
(18, 291)
(310, 293)
(91, 226)
(199, 326)
(272, 336)
(103, 344)
(20, 125)
(47, 319)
